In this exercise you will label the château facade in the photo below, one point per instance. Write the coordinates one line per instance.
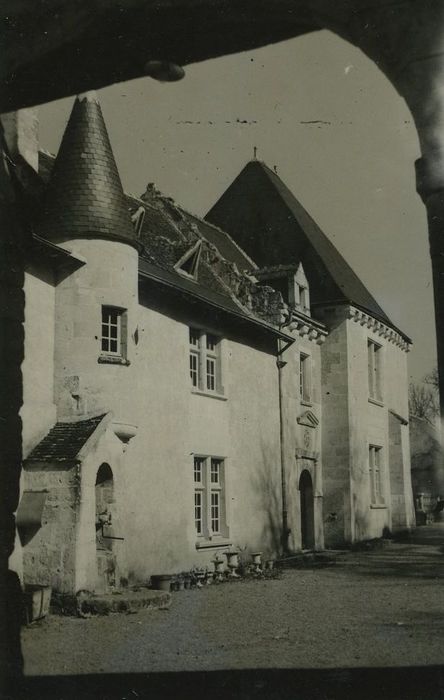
(192, 385)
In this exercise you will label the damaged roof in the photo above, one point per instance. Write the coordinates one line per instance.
(224, 279)
(64, 441)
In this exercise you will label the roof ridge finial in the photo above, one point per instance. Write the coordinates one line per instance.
(255, 152)
(89, 96)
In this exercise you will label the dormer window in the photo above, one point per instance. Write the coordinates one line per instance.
(301, 292)
(188, 265)
(138, 218)
(291, 282)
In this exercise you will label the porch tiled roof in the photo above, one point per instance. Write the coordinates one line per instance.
(64, 441)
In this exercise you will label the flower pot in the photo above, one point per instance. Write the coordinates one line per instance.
(161, 582)
(232, 558)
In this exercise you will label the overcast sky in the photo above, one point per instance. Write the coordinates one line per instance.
(318, 109)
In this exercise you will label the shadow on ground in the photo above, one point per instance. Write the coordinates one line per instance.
(413, 683)
(402, 561)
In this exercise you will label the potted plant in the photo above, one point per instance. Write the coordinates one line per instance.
(233, 562)
(257, 561)
(219, 568)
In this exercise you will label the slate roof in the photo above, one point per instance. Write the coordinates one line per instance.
(64, 441)
(257, 207)
(85, 195)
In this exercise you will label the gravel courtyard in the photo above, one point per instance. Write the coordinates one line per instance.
(382, 608)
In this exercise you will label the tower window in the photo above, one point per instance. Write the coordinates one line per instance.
(374, 370)
(113, 337)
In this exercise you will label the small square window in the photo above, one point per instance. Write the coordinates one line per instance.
(113, 339)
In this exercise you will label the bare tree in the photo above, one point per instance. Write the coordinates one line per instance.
(423, 397)
(432, 378)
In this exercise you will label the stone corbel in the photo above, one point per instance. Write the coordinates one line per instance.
(352, 312)
(124, 431)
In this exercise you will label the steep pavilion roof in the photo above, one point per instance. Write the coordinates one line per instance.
(266, 219)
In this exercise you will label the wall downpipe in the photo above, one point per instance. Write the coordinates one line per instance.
(285, 529)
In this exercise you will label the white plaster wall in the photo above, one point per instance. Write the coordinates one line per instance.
(369, 425)
(159, 505)
(38, 410)
(174, 425)
(254, 449)
(82, 385)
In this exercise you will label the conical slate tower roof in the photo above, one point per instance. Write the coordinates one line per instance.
(85, 195)
(270, 224)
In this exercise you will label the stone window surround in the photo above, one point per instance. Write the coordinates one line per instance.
(207, 539)
(119, 357)
(201, 353)
(377, 501)
(375, 372)
(305, 379)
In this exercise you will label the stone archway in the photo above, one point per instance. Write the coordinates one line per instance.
(307, 510)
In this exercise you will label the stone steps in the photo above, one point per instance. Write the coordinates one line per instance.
(85, 603)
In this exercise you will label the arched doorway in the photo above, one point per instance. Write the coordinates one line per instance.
(104, 496)
(307, 510)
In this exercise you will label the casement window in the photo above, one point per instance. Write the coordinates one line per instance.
(114, 331)
(305, 377)
(205, 361)
(374, 370)
(375, 470)
(209, 497)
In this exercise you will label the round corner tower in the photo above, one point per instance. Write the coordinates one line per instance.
(85, 212)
